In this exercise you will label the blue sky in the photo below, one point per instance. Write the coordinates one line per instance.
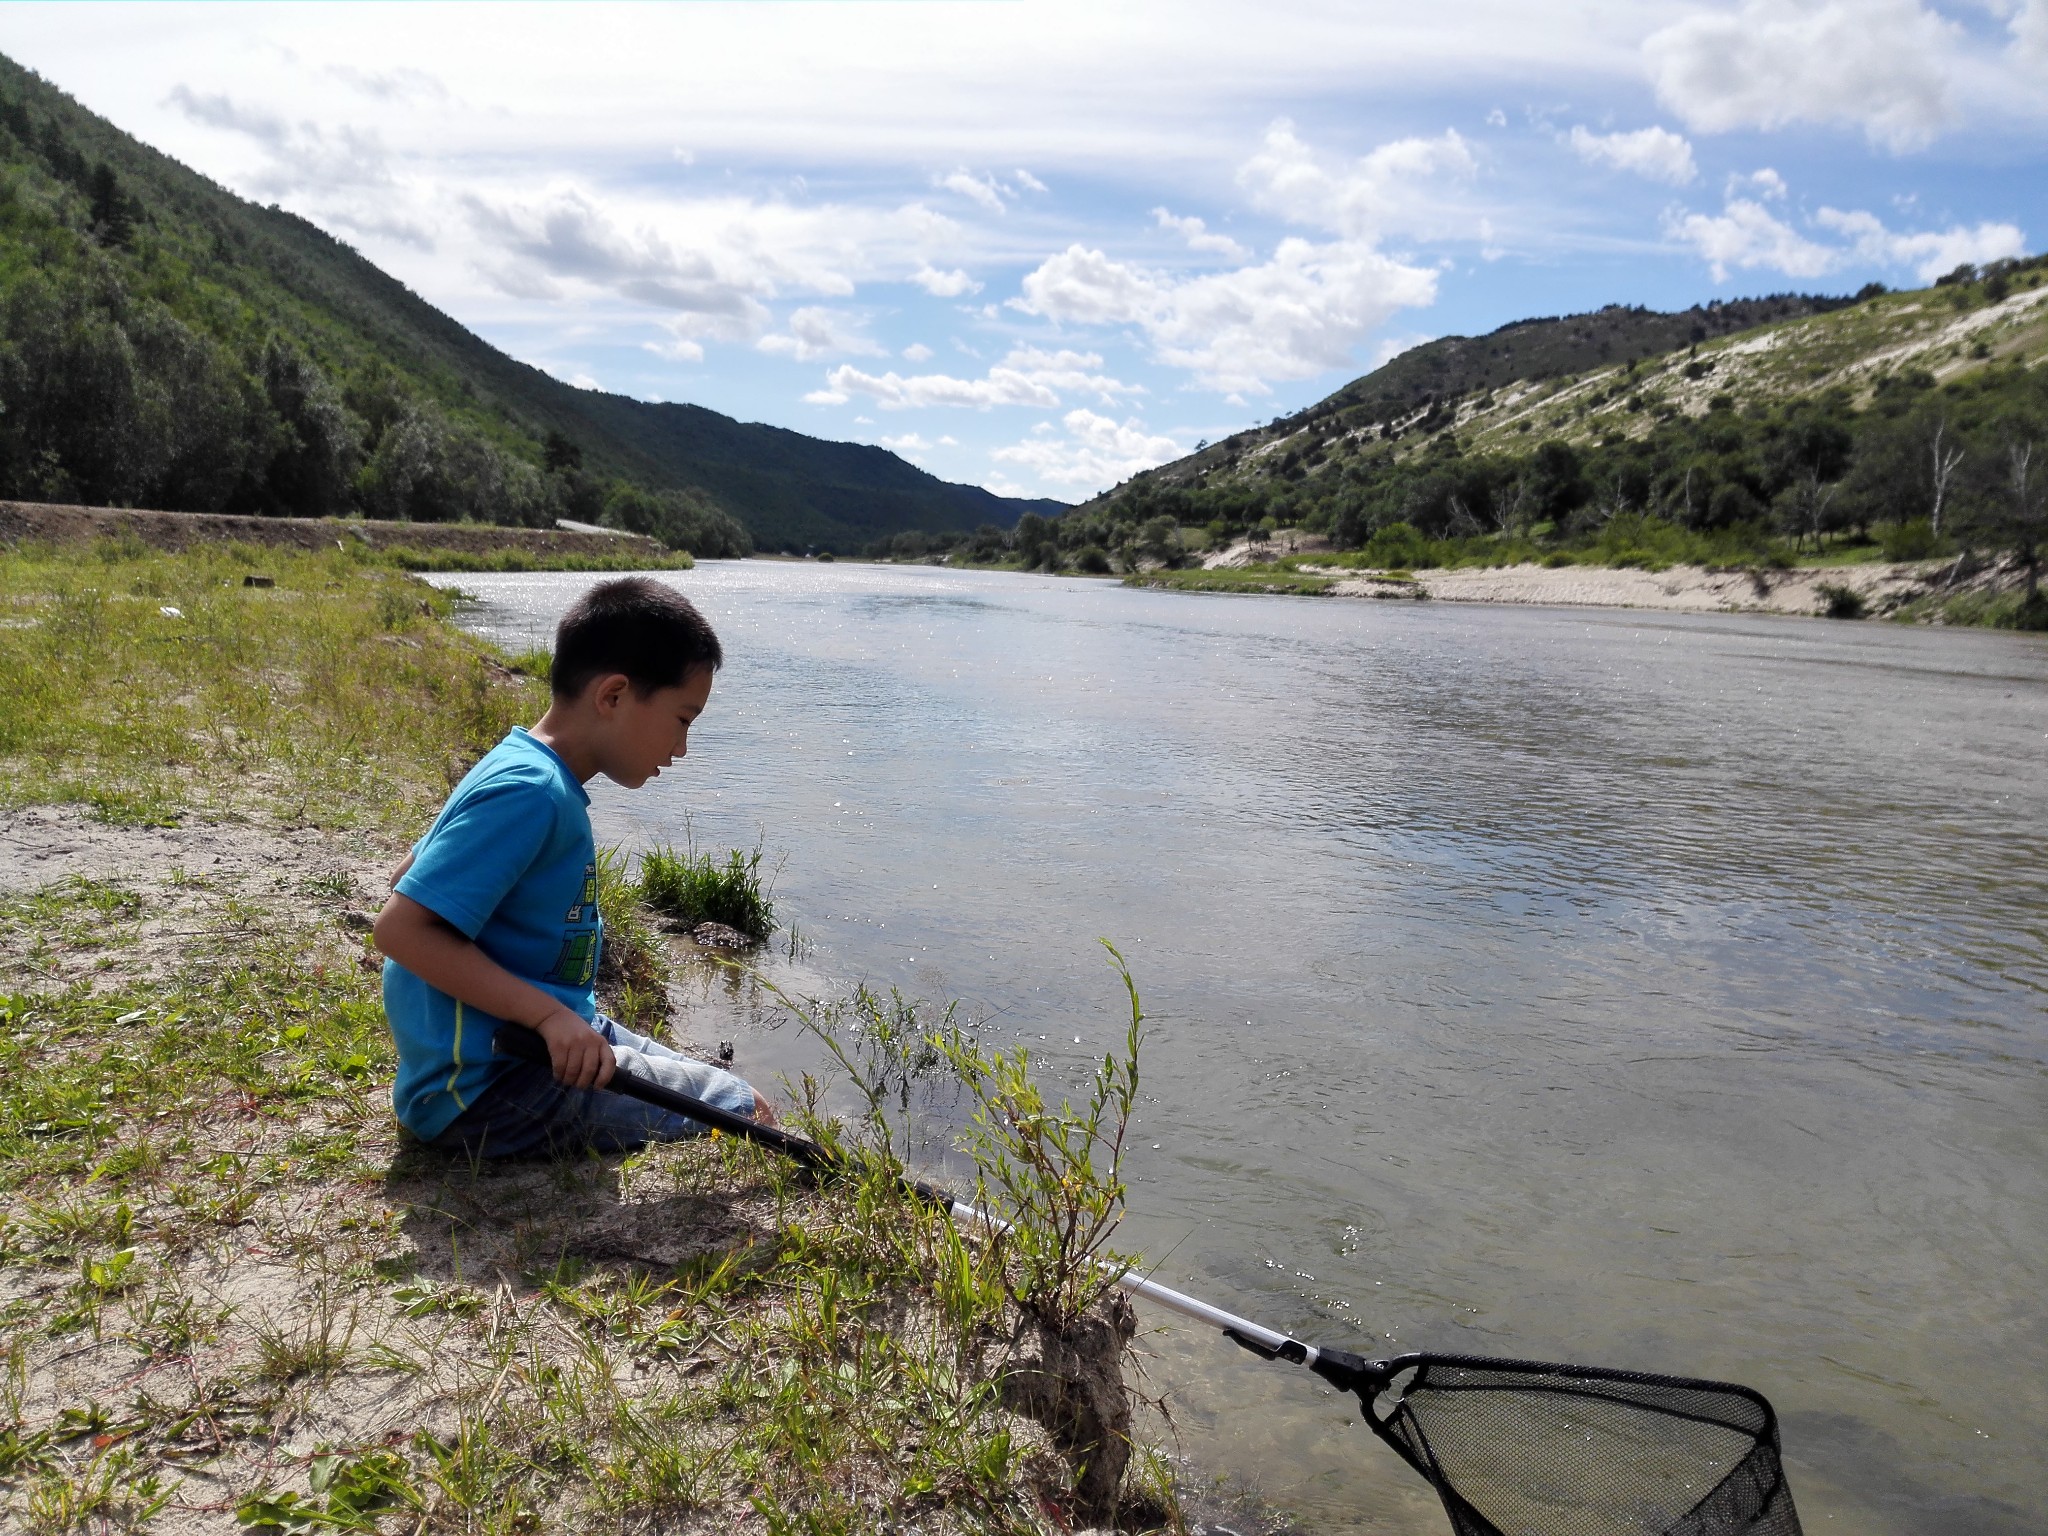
(1040, 246)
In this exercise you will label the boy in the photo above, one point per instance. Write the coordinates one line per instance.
(493, 916)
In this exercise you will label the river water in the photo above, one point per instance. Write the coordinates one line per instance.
(1663, 992)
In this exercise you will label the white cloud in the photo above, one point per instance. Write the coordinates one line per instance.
(1496, 118)
(908, 443)
(1765, 183)
(1302, 311)
(1096, 451)
(1027, 376)
(1745, 235)
(677, 349)
(825, 397)
(1885, 66)
(1198, 237)
(1394, 189)
(1655, 153)
(2029, 46)
(979, 189)
(1029, 182)
(346, 170)
(570, 238)
(1296, 315)
(1930, 253)
(918, 352)
(816, 332)
(944, 285)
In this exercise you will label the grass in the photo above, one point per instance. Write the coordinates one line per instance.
(206, 1205)
(692, 887)
(1266, 579)
(1987, 610)
(149, 686)
(405, 558)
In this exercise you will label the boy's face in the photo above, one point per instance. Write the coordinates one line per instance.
(645, 735)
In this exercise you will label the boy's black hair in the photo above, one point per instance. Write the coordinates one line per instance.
(634, 625)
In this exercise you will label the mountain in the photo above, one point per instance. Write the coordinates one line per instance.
(1733, 433)
(1424, 383)
(165, 342)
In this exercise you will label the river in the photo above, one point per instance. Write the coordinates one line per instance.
(1658, 992)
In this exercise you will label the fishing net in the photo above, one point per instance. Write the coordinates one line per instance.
(1518, 1448)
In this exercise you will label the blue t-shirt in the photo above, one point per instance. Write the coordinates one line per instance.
(510, 863)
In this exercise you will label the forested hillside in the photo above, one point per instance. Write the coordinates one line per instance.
(164, 343)
(1904, 424)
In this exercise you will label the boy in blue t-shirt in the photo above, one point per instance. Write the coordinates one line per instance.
(493, 916)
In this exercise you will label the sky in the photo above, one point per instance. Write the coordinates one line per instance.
(1040, 245)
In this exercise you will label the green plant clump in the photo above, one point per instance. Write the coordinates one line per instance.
(1840, 602)
(694, 888)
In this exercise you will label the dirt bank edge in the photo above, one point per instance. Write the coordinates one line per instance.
(23, 522)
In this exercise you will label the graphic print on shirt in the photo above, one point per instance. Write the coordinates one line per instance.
(577, 963)
(578, 960)
(585, 909)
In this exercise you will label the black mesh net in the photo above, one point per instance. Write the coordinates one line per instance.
(1518, 1448)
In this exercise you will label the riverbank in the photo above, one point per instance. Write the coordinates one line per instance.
(406, 546)
(1877, 589)
(233, 1297)
(1980, 591)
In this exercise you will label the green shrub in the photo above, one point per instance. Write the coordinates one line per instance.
(1054, 1172)
(1840, 602)
(1093, 559)
(695, 888)
(1397, 544)
(1912, 540)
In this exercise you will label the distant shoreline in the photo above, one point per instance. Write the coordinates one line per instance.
(1678, 589)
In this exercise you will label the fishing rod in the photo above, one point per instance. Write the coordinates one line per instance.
(1512, 1447)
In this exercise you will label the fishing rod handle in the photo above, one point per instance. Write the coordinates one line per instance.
(527, 1045)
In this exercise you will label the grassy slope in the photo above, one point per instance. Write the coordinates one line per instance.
(1845, 348)
(242, 270)
(230, 1294)
(1571, 379)
(1453, 368)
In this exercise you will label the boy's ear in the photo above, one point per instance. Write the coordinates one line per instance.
(605, 692)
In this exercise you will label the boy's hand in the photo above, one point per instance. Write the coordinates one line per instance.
(580, 1056)
(764, 1112)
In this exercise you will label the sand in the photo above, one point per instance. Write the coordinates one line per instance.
(1679, 589)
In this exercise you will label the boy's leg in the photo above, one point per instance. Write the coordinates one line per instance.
(526, 1111)
(699, 1079)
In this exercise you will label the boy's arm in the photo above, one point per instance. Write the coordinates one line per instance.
(443, 958)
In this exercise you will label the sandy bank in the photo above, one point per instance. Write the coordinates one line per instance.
(1680, 589)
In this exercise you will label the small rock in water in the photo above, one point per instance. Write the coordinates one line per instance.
(719, 936)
